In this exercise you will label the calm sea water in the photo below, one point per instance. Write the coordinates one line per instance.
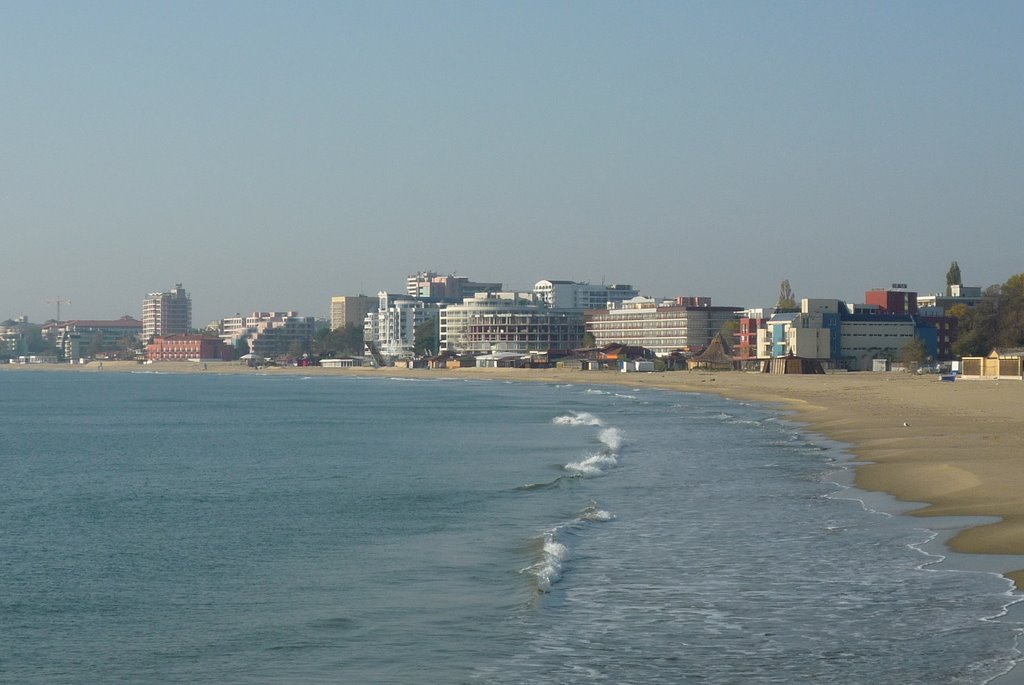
(255, 529)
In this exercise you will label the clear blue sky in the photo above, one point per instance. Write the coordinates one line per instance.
(271, 155)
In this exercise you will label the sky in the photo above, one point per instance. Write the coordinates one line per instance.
(270, 155)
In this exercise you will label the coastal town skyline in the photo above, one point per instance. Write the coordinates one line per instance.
(62, 308)
(273, 156)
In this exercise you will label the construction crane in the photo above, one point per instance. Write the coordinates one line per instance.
(58, 301)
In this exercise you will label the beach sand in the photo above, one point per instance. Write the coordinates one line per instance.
(956, 448)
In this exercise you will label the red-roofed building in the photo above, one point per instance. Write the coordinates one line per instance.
(188, 347)
(83, 337)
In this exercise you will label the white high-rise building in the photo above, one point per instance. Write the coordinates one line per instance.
(166, 313)
(513, 322)
(581, 296)
(392, 327)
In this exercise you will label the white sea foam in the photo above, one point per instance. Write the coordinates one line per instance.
(594, 514)
(555, 554)
(593, 465)
(577, 418)
(548, 570)
(611, 438)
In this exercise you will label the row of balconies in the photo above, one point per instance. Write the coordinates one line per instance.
(638, 326)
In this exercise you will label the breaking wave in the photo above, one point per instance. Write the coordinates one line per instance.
(592, 513)
(606, 457)
(548, 570)
(577, 418)
(551, 550)
(611, 438)
(553, 553)
(594, 465)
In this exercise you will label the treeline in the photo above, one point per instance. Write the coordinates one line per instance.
(997, 321)
(344, 341)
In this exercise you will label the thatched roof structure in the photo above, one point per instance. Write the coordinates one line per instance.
(718, 355)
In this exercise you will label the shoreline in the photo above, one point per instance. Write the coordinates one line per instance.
(952, 447)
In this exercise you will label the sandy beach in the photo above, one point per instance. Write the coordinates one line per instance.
(953, 447)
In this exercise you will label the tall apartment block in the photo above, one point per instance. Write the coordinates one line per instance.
(346, 309)
(166, 313)
(454, 289)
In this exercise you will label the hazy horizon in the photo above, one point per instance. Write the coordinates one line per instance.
(270, 156)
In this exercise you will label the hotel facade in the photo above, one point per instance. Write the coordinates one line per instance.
(663, 329)
(166, 313)
(270, 334)
(188, 347)
(508, 322)
(391, 328)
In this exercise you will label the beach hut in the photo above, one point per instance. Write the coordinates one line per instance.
(340, 362)
(503, 360)
(1005, 363)
(788, 365)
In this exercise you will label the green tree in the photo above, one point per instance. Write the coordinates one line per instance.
(975, 334)
(351, 339)
(914, 353)
(320, 337)
(958, 311)
(1010, 313)
(787, 300)
(241, 347)
(347, 340)
(127, 345)
(953, 275)
(589, 340)
(997, 321)
(427, 337)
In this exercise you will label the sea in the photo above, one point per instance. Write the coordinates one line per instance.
(193, 528)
